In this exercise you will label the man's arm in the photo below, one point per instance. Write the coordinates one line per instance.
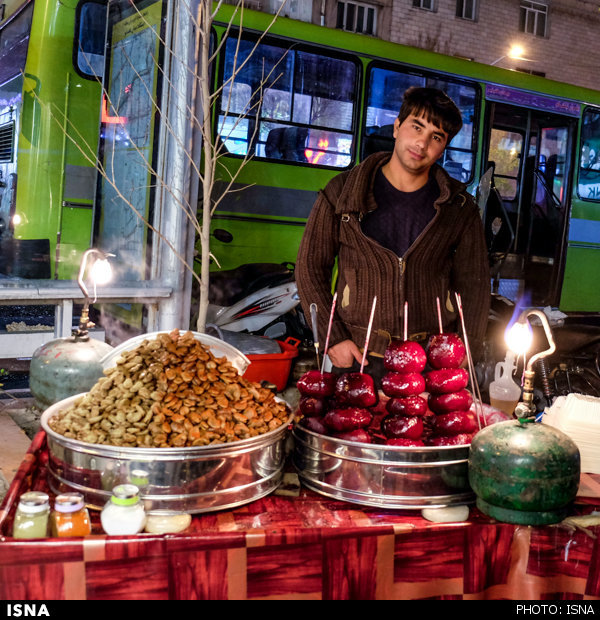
(471, 278)
(315, 262)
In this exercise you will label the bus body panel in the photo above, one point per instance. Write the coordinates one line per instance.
(57, 146)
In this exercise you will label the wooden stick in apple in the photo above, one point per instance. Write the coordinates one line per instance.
(329, 330)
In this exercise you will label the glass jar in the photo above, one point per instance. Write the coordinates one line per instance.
(167, 521)
(70, 517)
(124, 512)
(31, 518)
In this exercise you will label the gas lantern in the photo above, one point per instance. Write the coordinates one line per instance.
(67, 366)
(522, 471)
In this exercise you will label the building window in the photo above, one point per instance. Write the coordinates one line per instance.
(356, 17)
(427, 5)
(533, 18)
(466, 9)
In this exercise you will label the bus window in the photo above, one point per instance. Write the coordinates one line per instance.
(14, 38)
(589, 165)
(505, 151)
(287, 104)
(385, 90)
(90, 32)
(551, 168)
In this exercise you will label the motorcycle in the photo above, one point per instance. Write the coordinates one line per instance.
(260, 299)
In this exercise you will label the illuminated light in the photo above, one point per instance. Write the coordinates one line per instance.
(111, 120)
(16, 220)
(519, 337)
(101, 271)
(314, 156)
(516, 52)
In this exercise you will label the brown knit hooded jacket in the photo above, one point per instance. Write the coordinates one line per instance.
(449, 256)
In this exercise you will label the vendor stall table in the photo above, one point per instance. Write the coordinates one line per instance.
(304, 546)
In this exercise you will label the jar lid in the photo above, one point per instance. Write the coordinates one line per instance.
(139, 477)
(34, 501)
(125, 495)
(69, 502)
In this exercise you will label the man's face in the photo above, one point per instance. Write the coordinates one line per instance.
(419, 144)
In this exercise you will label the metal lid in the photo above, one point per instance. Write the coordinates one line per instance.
(34, 501)
(125, 495)
(69, 502)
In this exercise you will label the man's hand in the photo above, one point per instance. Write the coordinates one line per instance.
(343, 354)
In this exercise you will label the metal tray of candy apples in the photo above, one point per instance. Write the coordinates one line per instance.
(391, 477)
(196, 478)
(367, 465)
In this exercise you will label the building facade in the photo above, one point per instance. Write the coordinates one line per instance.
(557, 38)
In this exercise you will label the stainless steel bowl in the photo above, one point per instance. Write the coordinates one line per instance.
(383, 476)
(193, 480)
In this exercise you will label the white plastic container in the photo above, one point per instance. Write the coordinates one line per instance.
(124, 513)
(504, 391)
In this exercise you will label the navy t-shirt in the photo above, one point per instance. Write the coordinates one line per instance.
(400, 217)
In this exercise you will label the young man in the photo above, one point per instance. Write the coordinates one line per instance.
(403, 230)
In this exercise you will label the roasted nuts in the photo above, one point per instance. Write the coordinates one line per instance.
(171, 392)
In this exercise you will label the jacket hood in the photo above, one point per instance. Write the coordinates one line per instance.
(357, 193)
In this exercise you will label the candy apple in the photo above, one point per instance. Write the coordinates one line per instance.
(356, 389)
(345, 419)
(409, 405)
(446, 380)
(404, 356)
(316, 383)
(401, 384)
(446, 351)
(453, 401)
(408, 427)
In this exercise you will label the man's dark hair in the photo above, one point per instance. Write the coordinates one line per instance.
(434, 106)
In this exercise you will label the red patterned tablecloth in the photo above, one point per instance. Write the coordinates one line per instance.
(305, 547)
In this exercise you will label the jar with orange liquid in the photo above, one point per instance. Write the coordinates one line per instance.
(70, 516)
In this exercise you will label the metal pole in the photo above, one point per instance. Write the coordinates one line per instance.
(179, 189)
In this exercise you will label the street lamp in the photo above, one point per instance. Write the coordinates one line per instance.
(515, 52)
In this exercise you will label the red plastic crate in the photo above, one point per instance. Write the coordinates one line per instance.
(273, 367)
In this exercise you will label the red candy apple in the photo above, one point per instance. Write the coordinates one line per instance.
(404, 356)
(409, 405)
(345, 419)
(446, 351)
(310, 406)
(359, 435)
(402, 441)
(450, 440)
(400, 384)
(453, 401)
(446, 380)
(316, 383)
(355, 389)
(455, 423)
(408, 427)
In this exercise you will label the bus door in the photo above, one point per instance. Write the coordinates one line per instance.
(529, 151)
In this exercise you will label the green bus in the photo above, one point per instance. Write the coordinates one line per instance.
(331, 98)
(306, 103)
(51, 64)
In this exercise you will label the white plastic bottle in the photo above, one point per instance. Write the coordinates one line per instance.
(124, 512)
(504, 391)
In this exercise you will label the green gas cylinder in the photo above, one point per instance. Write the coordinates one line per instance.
(65, 367)
(524, 472)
